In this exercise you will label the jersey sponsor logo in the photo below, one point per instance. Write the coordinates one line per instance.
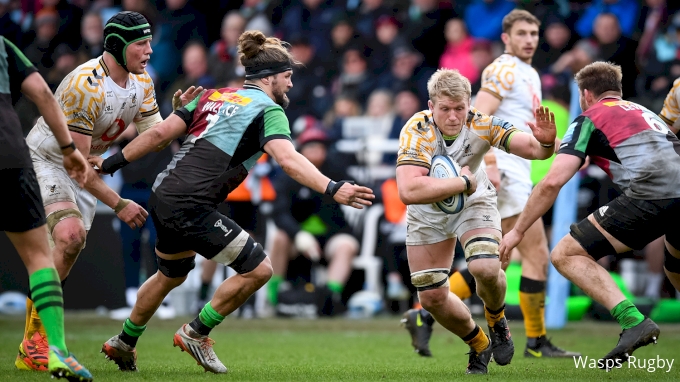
(230, 98)
(52, 189)
(486, 218)
(221, 226)
(603, 210)
(108, 109)
(114, 131)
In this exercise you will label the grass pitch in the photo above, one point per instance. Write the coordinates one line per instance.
(335, 350)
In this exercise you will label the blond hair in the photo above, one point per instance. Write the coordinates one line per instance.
(518, 15)
(599, 77)
(255, 49)
(448, 83)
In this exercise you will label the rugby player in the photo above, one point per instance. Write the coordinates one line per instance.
(24, 218)
(511, 90)
(641, 155)
(452, 127)
(99, 99)
(226, 130)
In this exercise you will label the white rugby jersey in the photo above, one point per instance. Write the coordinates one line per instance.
(518, 86)
(95, 105)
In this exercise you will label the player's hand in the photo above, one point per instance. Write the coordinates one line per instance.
(473, 179)
(354, 196)
(96, 162)
(307, 244)
(180, 99)
(133, 215)
(544, 130)
(494, 176)
(586, 163)
(77, 167)
(509, 241)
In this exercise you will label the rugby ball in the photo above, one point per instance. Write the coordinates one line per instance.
(444, 167)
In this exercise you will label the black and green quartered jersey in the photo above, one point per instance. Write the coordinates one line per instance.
(226, 137)
(14, 68)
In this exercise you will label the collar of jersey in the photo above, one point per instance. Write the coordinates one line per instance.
(253, 86)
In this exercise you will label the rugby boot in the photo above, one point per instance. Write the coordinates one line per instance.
(503, 347)
(478, 362)
(33, 353)
(124, 355)
(420, 330)
(640, 335)
(200, 347)
(543, 348)
(67, 366)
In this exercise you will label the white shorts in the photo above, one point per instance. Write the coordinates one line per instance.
(515, 183)
(57, 186)
(425, 225)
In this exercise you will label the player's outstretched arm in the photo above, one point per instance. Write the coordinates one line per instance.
(416, 187)
(540, 145)
(37, 90)
(542, 197)
(304, 172)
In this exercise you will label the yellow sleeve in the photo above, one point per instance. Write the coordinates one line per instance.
(417, 142)
(492, 129)
(149, 104)
(82, 100)
(498, 78)
(671, 106)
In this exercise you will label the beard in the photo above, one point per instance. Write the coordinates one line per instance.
(280, 96)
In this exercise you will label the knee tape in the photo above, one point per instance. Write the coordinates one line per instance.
(248, 257)
(430, 279)
(176, 268)
(671, 263)
(484, 246)
(59, 215)
(591, 239)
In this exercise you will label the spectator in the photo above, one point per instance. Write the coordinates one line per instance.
(653, 19)
(69, 17)
(482, 56)
(313, 225)
(663, 66)
(176, 25)
(224, 52)
(343, 37)
(387, 39)
(8, 28)
(343, 106)
(626, 11)
(310, 95)
(92, 31)
(616, 48)
(425, 28)
(41, 49)
(557, 39)
(407, 71)
(458, 52)
(65, 61)
(144, 7)
(492, 12)
(314, 18)
(354, 79)
(368, 14)
(194, 72)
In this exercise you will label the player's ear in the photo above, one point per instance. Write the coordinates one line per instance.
(430, 105)
(505, 38)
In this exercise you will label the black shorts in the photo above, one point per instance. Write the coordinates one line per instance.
(636, 222)
(21, 194)
(246, 214)
(196, 228)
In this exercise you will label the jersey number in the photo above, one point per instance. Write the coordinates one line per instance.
(655, 123)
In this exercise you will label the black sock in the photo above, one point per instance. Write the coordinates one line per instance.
(203, 293)
(199, 327)
(427, 317)
(128, 339)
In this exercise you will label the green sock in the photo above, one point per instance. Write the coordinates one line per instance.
(335, 286)
(49, 302)
(209, 316)
(273, 289)
(131, 332)
(627, 314)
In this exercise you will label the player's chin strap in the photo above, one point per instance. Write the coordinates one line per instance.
(333, 187)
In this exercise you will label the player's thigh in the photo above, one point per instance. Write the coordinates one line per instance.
(431, 256)
(21, 194)
(630, 223)
(220, 239)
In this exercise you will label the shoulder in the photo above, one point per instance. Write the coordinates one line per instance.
(420, 122)
(503, 64)
(84, 82)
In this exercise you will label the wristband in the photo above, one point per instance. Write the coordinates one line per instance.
(122, 203)
(333, 187)
(71, 145)
(547, 146)
(114, 163)
(467, 182)
(185, 114)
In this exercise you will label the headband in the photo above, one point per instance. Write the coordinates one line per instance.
(268, 69)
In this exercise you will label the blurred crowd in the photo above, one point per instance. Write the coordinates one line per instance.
(365, 68)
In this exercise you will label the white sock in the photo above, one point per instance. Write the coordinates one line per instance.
(654, 281)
